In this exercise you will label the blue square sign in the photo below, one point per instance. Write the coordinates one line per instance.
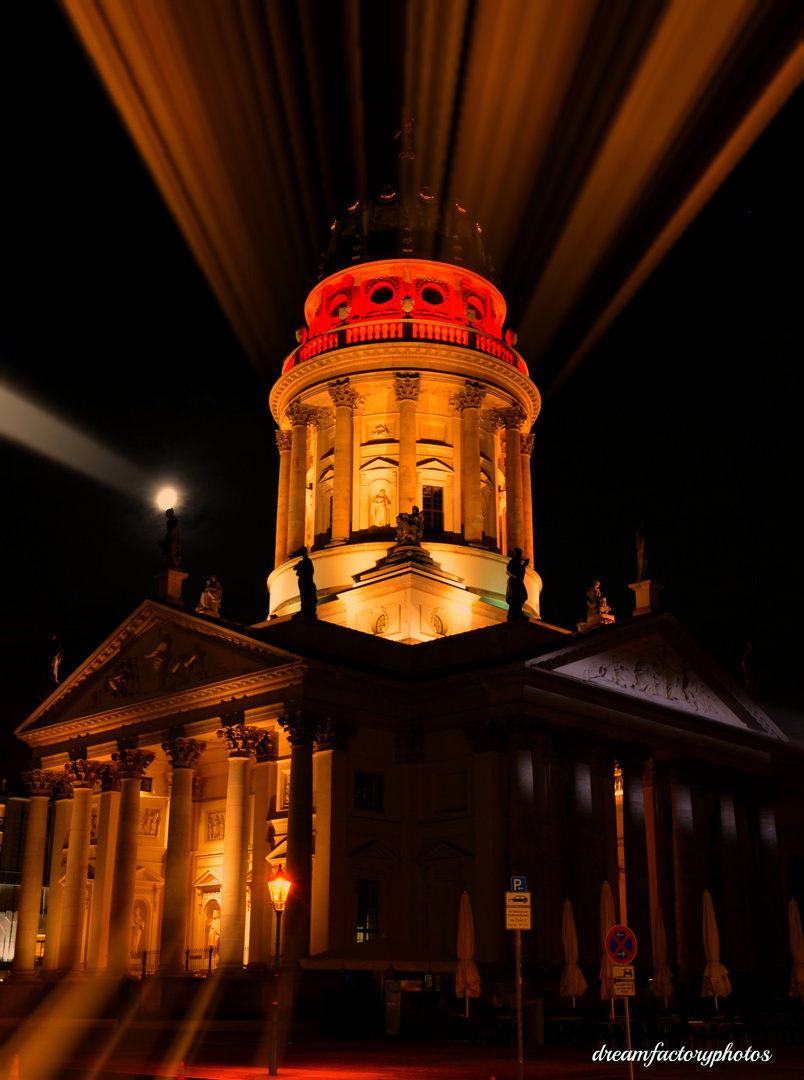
(519, 884)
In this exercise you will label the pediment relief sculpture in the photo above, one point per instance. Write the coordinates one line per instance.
(656, 672)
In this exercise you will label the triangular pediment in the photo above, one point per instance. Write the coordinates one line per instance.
(436, 465)
(375, 849)
(160, 659)
(207, 880)
(444, 852)
(657, 662)
(146, 875)
(379, 463)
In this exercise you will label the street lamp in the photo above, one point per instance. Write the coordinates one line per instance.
(278, 888)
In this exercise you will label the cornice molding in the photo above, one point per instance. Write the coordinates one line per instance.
(158, 708)
(430, 357)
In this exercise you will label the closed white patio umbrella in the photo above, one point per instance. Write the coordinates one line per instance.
(573, 983)
(467, 977)
(796, 950)
(716, 978)
(662, 981)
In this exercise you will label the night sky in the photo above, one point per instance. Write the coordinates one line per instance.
(687, 413)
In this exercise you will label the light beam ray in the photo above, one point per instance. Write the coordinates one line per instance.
(23, 422)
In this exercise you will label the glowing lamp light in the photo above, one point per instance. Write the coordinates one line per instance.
(167, 498)
(279, 887)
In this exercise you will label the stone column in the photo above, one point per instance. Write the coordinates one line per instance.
(637, 884)
(82, 775)
(653, 780)
(283, 441)
(522, 813)
(297, 479)
(183, 754)
(469, 401)
(406, 386)
(301, 727)
(240, 741)
(344, 398)
(330, 775)
(732, 938)
(586, 872)
(550, 839)
(259, 938)
(686, 868)
(526, 445)
(40, 785)
(490, 781)
(772, 903)
(132, 764)
(512, 419)
(62, 812)
(105, 843)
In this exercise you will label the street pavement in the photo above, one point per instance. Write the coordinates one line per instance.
(232, 1058)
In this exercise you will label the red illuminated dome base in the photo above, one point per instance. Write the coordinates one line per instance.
(402, 394)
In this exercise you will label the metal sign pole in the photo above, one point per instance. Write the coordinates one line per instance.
(628, 1040)
(518, 944)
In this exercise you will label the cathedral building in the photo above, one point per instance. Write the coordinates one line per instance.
(403, 726)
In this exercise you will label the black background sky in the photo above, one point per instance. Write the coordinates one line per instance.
(687, 413)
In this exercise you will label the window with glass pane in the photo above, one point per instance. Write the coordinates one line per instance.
(368, 909)
(433, 508)
(368, 791)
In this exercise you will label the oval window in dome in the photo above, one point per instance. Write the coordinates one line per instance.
(382, 294)
(426, 195)
(387, 193)
(432, 295)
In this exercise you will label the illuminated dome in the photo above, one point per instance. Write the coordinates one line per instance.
(392, 224)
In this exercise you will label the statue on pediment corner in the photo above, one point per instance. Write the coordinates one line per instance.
(210, 602)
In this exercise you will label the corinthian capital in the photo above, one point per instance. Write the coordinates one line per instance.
(239, 739)
(406, 385)
(132, 762)
(283, 440)
(301, 727)
(526, 444)
(342, 393)
(40, 782)
(471, 397)
(511, 418)
(183, 753)
(82, 773)
(266, 747)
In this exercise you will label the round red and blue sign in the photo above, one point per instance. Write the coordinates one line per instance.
(621, 945)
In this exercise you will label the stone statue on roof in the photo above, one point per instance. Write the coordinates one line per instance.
(171, 545)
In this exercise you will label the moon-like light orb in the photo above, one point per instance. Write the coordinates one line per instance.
(167, 498)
